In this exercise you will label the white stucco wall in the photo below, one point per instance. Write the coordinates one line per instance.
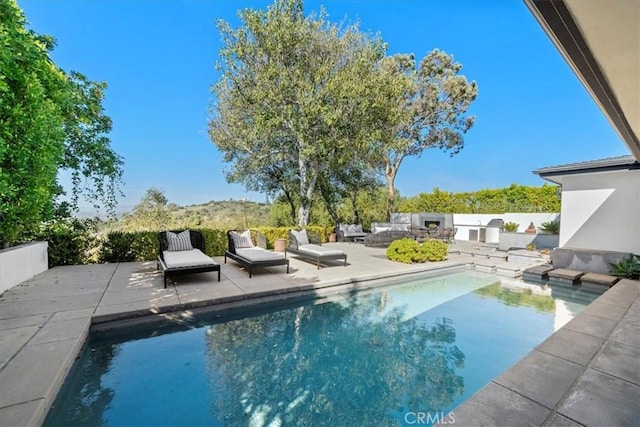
(21, 263)
(601, 211)
(472, 224)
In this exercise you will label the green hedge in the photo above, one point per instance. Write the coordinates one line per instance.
(68, 245)
(409, 251)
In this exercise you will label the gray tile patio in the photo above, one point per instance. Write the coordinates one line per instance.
(45, 320)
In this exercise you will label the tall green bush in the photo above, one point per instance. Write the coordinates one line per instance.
(70, 241)
(50, 120)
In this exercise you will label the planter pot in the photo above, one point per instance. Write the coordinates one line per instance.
(279, 245)
(332, 237)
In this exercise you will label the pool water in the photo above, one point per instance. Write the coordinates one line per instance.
(371, 358)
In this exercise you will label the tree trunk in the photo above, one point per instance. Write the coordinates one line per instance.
(307, 187)
(391, 198)
(292, 205)
(331, 208)
(354, 205)
(390, 171)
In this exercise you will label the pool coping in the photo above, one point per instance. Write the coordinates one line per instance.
(51, 340)
(593, 381)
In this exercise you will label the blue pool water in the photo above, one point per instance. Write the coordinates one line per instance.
(371, 358)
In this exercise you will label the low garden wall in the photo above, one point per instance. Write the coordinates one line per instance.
(587, 260)
(522, 240)
(20, 263)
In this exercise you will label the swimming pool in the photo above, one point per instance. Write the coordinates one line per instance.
(369, 358)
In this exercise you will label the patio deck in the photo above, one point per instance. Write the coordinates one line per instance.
(44, 323)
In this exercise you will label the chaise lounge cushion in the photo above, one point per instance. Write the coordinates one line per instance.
(191, 258)
(319, 251)
(258, 254)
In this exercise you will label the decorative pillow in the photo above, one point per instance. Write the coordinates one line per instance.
(179, 242)
(242, 240)
(301, 237)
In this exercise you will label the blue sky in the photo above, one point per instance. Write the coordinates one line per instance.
(158, 58)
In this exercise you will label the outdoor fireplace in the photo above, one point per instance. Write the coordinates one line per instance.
(431, 224)
(430, 221)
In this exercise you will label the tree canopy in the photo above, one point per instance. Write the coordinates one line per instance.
(293, 96)
(50, 120)
(431, 111)
(305, 106)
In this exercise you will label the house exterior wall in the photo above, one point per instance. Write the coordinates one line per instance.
(601, 211)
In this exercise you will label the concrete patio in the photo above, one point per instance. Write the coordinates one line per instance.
(587, 372)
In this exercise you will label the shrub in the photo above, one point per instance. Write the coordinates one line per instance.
(409, 251)
(70, 241)
(550, 227)
(627, 268)
(118, 246)
(435, 250)
(405, 250)
(273, 233)
(511, 227)
(215, 241)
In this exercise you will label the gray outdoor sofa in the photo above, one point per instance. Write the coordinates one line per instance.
(350, 232)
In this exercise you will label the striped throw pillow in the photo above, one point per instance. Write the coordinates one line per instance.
(179, 242)
(242, 240)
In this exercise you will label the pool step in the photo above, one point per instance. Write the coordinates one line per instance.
(564, 277)
(510, 269)
(598, 281)
(537, 273)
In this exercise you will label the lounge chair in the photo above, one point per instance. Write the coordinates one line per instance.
(243, 250)
(183, 252)
(307, 245)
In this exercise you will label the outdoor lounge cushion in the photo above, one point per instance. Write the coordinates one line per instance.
(317, 250)
(191, 258)
(258, 254)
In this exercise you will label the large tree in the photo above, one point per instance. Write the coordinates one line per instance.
(293, 93)
(431, 111)
(49, 120)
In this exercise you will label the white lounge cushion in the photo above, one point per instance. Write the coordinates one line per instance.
(192, 258)
(179, 241)
(259, 254)
(317, 250)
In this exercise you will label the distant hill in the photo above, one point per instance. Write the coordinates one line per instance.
(228, 214)
(214, 214)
